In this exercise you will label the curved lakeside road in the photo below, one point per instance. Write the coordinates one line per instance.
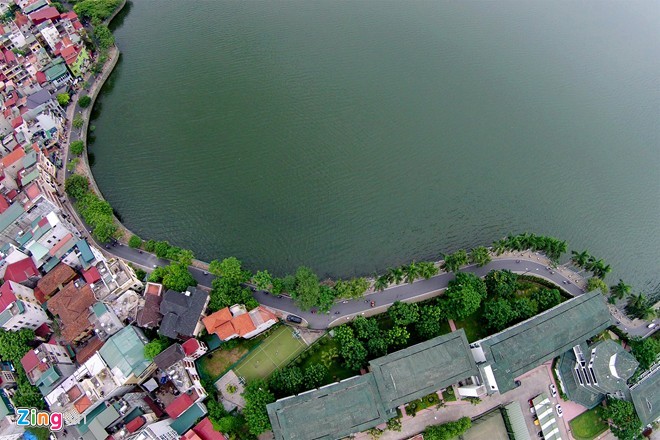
(419, 290)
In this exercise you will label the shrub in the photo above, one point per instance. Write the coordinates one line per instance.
(84, 101)
(135, 241)
(77, 147)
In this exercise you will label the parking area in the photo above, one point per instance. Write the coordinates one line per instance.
(533, 383)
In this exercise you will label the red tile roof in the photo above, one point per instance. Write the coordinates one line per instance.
(21, 270)
(49, 13)
(70, 54)
(205, 431)
(7, 296)
(43, 330)
(190, 346)
(17, 122)
(41, 77)
(135, 424)
(11, 195)
(33, 192)
(215, 320)
(51, 282)
(179, 405)
(92, 275)
(30, 361)
(93, 345)
(3, 204)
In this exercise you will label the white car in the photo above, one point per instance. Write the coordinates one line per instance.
(651, 325)
(560, 412)
(553, 390)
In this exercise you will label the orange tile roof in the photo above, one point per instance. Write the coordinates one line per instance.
(215, 320)
(12, 157)
(72, 306)
(225, 331)
(60, 275)
(243, 324)
(61, 244)
(82, 404)
(266, 314)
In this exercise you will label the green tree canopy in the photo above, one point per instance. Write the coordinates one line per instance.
(231, 269)
(315, 376)
(397, 336)
(263, 279)
(63, 99)
(14, 345)
(403, 313)
(306, 293)
(525, 307)
(257, 396)
(365, 328)
(104, 36)
(447, 431)
(84, 101)
(153, 348)
(498, 313)
(97, 10)
(135, 241)
(287, 381)
(78, 121)
(546, 298)
(480, 256)
(77, 147)
(595, 283)
(640, 307)
(620, 290)
(176, 276)
(501, 283)
(463, 296)
(646, 351)
(624, 423)
(76, 186)
(354, 354)
(428, 326)
(454, 261)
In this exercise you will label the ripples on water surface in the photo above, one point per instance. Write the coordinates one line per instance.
(353, 136)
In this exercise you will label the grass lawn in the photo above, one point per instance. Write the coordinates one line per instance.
(473, 326)
(275, 351)
(589, 424)
(216, 363)
(448, 395)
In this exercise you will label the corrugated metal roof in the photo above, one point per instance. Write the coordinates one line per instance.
(517, 421)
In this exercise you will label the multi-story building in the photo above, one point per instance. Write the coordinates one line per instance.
(117, 366)
(47, 366)
(9, 430)
(235, 321)
(19, 308)
(177, 362)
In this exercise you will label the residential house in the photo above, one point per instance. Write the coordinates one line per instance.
(47, 366)
(149, 315)
(182, 312)
(203, 431)
(54, 281)
(157, 431)
(105, 321)
(19, 308)
(76, 58)
(110, 279)
(117, 366)
(235, 321)
(72, 305)
(178, 364)
(23, 272)
(7, 378)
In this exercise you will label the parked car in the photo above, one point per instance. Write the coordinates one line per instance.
(294, 318)
(553, 390)
(651, 325)
(517, 382)
(560, 412)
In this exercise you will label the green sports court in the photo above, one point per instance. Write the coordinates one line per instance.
(274, 352)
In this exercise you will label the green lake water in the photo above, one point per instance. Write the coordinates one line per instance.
(352, 136)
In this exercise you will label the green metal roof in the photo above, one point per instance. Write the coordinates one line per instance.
(328, 413)
(34, 6)
(12, 214)
(38, 250)
(5, 406)
(24, 238)
(517, 421)
(50, 264)
(83, 426)
(609, 359)
(48, 379)
(416, 371)
(99, 309)
(545, 411)
(104, 419)
(29, 159)
(645, 395)
(85, 252)
(29, 177)
(56, 71)
(125, 350)
(187, 420)
(527, 345)
(574, 391)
